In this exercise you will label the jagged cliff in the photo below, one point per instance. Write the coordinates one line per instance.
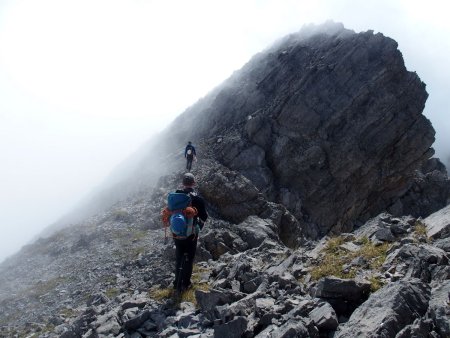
(330, 124)
(320, 134)
(326, 122)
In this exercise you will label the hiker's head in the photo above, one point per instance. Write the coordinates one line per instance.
(189, 142)
(188, 180)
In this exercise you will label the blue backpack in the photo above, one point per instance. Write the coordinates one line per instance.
(181, 226)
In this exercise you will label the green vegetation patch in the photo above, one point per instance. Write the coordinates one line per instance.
(160, 294)
(186, 296)
(139, 235)
(375, 283)
(68, 312)
(189, 295)
(112, 292)
(420, 231)
(335, 260)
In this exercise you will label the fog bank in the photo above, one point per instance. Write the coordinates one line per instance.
(83, 84)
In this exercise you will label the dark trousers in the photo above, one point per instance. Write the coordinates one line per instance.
(189, 162)
(188, 246)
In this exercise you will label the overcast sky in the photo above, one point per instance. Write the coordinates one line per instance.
(83, 83)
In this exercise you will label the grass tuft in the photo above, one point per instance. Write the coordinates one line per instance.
(333, 245)
(188, 295)
(375, 283)
(333, 258)
(420, 231)
(332, 265)
(111, 292)
(160, 294)
(375, 254)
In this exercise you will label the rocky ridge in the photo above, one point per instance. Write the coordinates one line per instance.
(321, 134)
(110, 277)
(327, 122)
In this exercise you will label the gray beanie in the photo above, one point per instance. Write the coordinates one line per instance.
(188, 179)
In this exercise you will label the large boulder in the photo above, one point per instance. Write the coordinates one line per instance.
(255, 230)
(388, 310)
(324, 317)
(229, 192)
(343, 294)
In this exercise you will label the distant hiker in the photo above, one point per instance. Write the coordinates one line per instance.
(189, 154)
(186, 215)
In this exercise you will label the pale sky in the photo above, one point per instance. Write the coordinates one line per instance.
(83, 83)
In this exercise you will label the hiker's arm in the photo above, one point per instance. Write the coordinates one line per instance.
(202, 214)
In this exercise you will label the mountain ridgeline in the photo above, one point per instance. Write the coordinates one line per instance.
(328, 213)
(326, 122)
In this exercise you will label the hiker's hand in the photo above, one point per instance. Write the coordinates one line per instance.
(201, 224)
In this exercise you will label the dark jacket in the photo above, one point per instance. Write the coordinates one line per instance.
(198, 203)
(189, 146)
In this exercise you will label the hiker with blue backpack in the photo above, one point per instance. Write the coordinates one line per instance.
(189, 154)
(185, 217)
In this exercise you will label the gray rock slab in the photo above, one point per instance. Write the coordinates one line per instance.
(346, 289)
(234, 328)
(324, 317)
(137, 320)
(384, 235)
(292, 329)
(438, 224)
(208, 300)
(443, 244)
(349, 246)
(439, 308)
(420, 328)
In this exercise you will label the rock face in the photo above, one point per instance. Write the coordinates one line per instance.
(327, 122)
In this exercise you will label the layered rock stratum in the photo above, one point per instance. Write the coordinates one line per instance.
(328, 213)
